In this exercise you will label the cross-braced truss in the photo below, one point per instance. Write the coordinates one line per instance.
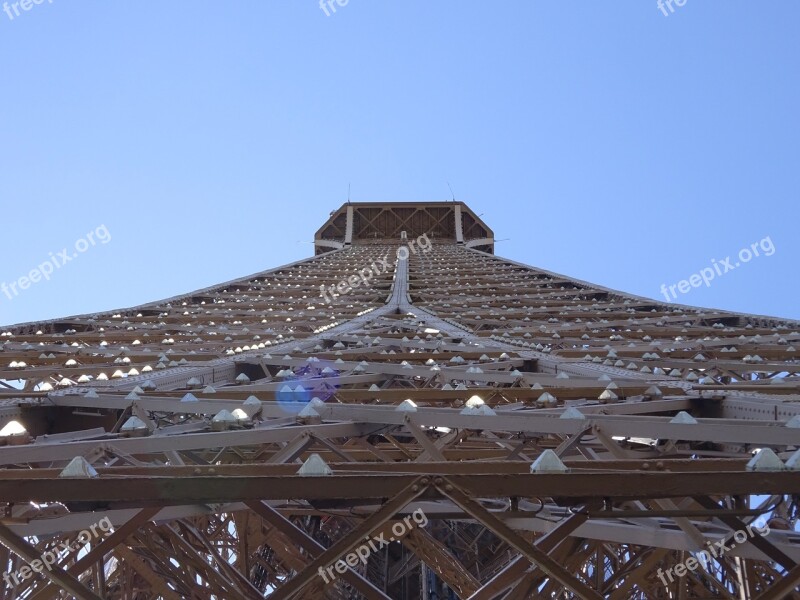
(462, 425)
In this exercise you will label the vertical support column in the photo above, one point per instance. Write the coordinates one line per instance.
(459, 225)
(348, 233)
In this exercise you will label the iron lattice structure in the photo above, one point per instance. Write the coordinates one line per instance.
(561, 440)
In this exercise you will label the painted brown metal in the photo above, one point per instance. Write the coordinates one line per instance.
(370, 356)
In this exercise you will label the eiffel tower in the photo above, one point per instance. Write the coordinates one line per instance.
(404, 415)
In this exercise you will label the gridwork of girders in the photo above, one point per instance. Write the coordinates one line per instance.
(458, 424)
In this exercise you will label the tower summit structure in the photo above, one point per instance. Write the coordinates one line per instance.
(402, 416)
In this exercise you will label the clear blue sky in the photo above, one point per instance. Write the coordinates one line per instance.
(607, 141)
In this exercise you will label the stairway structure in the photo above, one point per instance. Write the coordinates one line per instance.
(402, 416)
